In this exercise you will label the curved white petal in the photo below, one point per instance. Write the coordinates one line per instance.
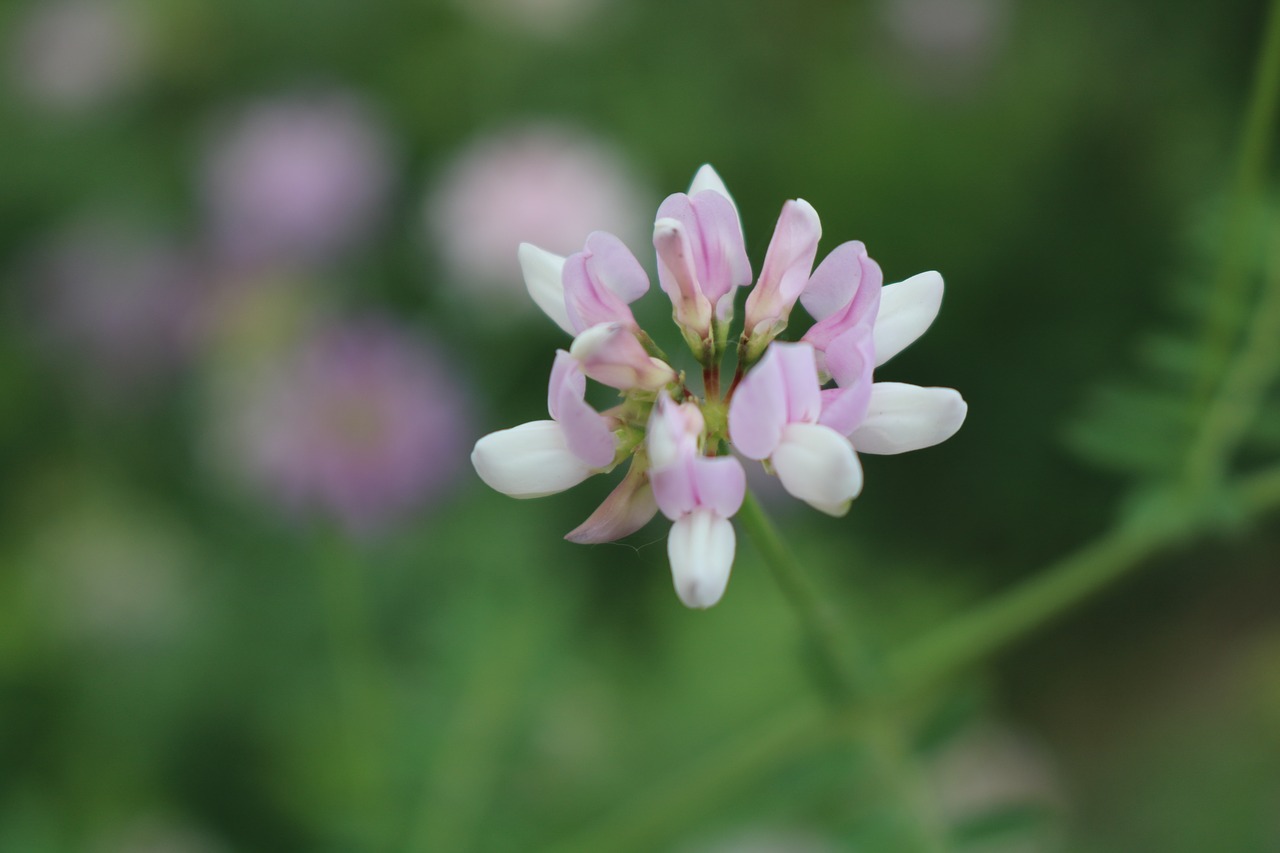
(908, 417)
(708, 178)
(700, 547)
(528, 461)
(817, 465)
(542, 270)
(906, 310)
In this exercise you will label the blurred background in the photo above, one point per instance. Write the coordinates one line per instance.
(260, 297)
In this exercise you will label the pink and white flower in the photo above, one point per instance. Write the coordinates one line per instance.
(699, 494)
(540, 458)
(776, 416)
(702, 260)
(776, 412)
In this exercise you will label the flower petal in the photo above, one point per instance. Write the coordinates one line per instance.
(528, 461)
(799, 369)
(708, 178)
(586, 432)
(673, 431)
(836, 280)
(611, 354)
(907, 417)
(906, 311)
(678, 274)
(701, 547)
(817, 465)
(542, 277)
(600, 281)
(717, 254)
(843, 292)
(720, 483)
(615, 267)
(758, 411)
(629, 507)
(787, 264)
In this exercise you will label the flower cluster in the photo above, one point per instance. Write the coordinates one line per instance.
(775, 410)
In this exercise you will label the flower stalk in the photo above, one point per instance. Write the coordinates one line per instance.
(846, 666)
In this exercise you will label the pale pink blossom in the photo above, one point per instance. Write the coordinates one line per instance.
(775, 410)
(544, 184)
(699, 494)
(296, 178)
(702, 261)
(776, 416)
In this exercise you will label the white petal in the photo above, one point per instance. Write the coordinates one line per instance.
(906, 311)
(701, 546)
(908, 417)
(528, 461)
(709, 179)
(542, 278)
(817, 465)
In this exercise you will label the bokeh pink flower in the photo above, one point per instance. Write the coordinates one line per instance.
(362, 426)
(543, 184)
(297, 178)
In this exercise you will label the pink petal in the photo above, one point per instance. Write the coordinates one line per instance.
(786, 266)
(629, 507)
(600, 281)
(851, 357)
(758, 411)
(673, 487)
(586, 432)
(614, 265)
(611, 354)
(716, 260)
(844, 292)
(850, 360)
(673, 431)
(723, 259)
(720, 484)
(799, 371)
(677, 269)
(567, 382)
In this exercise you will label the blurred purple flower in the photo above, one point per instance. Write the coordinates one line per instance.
(541, 184)
(72, 56)
(362, 424)
(296, 179)
(119, 304)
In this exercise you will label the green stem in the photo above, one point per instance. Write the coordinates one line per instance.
(1226, 307)
(972, 636)
(848, 666)
(658, 810)
(977, 633)
(1244, 386)
(846, 663)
